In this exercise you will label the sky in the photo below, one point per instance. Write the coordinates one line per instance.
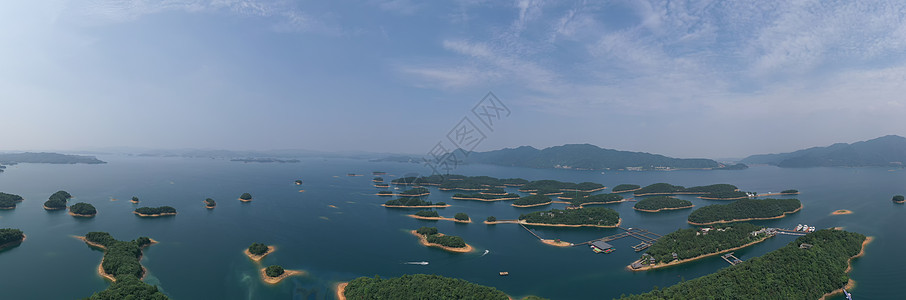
(709, 79)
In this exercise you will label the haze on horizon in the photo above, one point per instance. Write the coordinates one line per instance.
(684, 79)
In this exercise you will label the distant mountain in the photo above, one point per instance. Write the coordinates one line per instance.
(47, 158)
(585, 156)
(883, 151)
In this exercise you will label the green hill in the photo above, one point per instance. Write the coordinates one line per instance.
(883, 151)
(585, 156)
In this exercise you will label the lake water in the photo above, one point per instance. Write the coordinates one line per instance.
(200, 251)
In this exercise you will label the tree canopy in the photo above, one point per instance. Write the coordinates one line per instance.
(693, 242)
(533, 200)
(428, 213)
(83, 208)
(597, 198)
(461, 216)
(246, 196)
(598, 216)
(155, 210)
(413, 201)
(8, 201)
(274, 271)
(121, 260)
(899, 198)
(625, 188)
(744, 209)
(210, 202)
(10, 235)
(258, 249)
(419, 286)
(661, 202)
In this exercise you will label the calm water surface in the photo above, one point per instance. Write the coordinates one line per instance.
(200, 251)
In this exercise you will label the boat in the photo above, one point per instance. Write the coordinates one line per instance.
(423, 263)
(799, 227)
(596, 249)
(608, 250)
(848, 295)
(504, 273)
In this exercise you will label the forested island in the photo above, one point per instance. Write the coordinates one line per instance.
(433, 215)
(9, 201)
(47, 158)
(623, 188)
(669, 189)
(83, 209)
(532, 201)
(257, 251)
(413, 202)
(134, 199)
(416, 192)
(589, 216)
(57, 200)
(660, 203)
(245, 197)
(385, 193)
(795, 271)
(554, 187)
(210, 203)
(417, 286)
(275, 273)
(688, 244)
(486, 196)
(155, 211)
(744, 210)
(596, 199)
(428, 236)
(899, 199)
(121, 264)
(10, 237)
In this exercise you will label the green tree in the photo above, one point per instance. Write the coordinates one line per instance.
(258, 249)
(461, 217)
(274, 271)
(83, 208)
(492, 219)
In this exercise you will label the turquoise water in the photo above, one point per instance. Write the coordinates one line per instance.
(200, 251)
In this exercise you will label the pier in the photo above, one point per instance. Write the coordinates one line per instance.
(730, 258)
(647, 237)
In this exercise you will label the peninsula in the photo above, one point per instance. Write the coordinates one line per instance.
(744, 210)
(429, 237)
(661, 203)
(155, 211)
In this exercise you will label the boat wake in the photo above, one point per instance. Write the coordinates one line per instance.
(423, 263)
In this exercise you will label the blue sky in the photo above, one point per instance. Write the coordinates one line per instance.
(681, 78)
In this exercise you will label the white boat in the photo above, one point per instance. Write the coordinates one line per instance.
(423, 263)
(799, 227)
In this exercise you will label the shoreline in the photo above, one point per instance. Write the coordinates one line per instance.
(603, 203)
(681, 261)
(677, 193)
(554, 243)
(841, 212)
(81, 215)
(245, 200)
(419, 206)
(744, 220)
(584, 191)
(502, 222)
(724, 199)
(480, 199)
(258, 258)
(276, 280)
(663, 209)
(413, 195)
(625, 191)
(850, 284)
(424, 241)
(532, 205)
(153, 215)
(50, 208)
(341, 290)
(440, 218)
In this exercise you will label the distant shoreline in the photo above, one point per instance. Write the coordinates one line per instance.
(747, 219)
(419, 206)
(533, 205)
(51, 208)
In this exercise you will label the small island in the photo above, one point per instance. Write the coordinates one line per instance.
(150, 212)
(597, 199)
(842, 212)
(8, 201)
(57, 200)
(485, 196)
(549, 187)
(275, 273)
(245, 197)
(589, 216)
(134, 199)
(429, 237)
(83, 210)
(10, 237)
(413, 203)
(433, 215)
(258, 251)
(663, 189)
(209, 203)
(377, 179)
(899, 199)
(385, 193)
(382, 185)
(661, 203)
(689, 244)
(121, 264)
(532, 201)
(744, 210)
(298, 182)
(625, 188)
(416, 192)
(418, 286)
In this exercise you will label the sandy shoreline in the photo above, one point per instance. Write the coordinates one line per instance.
(258, 258)
(341, 290)
(481, 199)
(244, 200)
(276, 280)
(677, 193)
(502, 222)
(584, 191)
(440, 218)
(154, 215)
(625, 191)
(663, 209)
(681, 261)
(49, 208)
(420, 206)
(554, 243)
(749, 219)
(620, 221)
(424, 241)
(603, 203)
(82, 216)
(841, 212)
(533, 205)
(849, 267)
(101, 265)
